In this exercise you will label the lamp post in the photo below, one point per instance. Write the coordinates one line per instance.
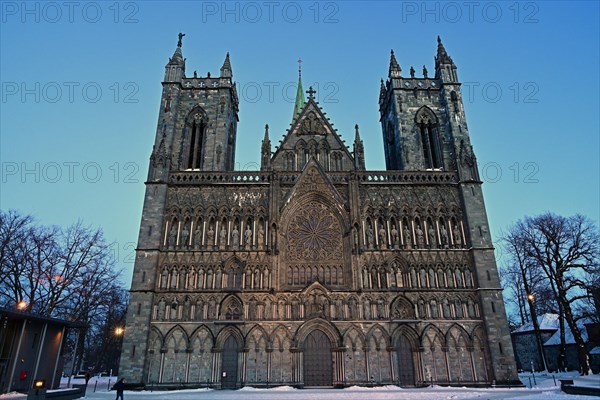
(536, 329)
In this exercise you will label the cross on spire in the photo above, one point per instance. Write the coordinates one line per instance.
(299, 67)
(311, 92)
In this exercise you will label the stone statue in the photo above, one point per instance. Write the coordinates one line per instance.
(185, 237)
(163, 279)
(172, 236)
(370, 237)
(222, 237)
(420, 242)
(261, 237)
(424, 72)
(457, 236)
(432, 241)
(407, 238)
(161, 310)
(395, 236)
(444, 234)
(180, 35)
(211, 236)
(195, 74)
(198, 236)
(381, 234)
(412, 72)
(235, 238)
(248, 237)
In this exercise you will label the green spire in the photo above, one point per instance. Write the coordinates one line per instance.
(299, 93)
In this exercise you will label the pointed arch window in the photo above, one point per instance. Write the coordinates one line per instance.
(391, 138)
(195, 132)
(427, 124)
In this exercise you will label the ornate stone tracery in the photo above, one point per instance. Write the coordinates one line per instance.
(314, 234)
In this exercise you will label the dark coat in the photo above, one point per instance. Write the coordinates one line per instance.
(119, 386)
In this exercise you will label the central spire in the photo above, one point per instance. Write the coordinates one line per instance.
(299, 93)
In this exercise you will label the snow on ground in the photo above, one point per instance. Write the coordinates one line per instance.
(543, 388)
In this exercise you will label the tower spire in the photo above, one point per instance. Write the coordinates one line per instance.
(175, 68)
(226, 71)
(442, 56)
(299, 93)
(445, 68)
(395, 70)
(265, 151)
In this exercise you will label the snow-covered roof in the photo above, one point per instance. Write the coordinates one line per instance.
(546, 322)
(569, 339)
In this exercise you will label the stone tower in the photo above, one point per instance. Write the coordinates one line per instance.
(315, 271)
(424, 128)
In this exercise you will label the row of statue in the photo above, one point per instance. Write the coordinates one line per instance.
(418, 240)
(374, 309)
(207, 239)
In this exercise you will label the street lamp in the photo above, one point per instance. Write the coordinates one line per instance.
(22, 305)
(119, 330)
(536, 330)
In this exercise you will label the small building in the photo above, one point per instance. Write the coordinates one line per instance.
(31, 348)
(525, 343)
(527, 352)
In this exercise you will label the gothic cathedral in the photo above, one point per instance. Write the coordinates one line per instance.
(315, 271)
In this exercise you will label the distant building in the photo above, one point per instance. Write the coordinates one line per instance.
(528, 355)
(30, 348)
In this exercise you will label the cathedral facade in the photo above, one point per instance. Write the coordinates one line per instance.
(315, 271)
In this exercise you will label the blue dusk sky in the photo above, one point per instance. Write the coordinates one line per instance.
(81, 86)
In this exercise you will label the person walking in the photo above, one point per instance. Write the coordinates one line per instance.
(119, 387)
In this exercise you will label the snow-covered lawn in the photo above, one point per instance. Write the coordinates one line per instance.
(544, 389)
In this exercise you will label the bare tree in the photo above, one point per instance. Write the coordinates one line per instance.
(67, 273)
(567, 250)
(526, 279)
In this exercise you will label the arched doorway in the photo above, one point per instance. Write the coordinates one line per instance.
(406, 368)
(318, 367)
(229, 364)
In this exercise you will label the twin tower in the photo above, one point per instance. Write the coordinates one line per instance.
(313, 270)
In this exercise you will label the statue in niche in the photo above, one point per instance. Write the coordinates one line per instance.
(420, 241)
(248, 237)
(261, 237)
(185, 236)
(235, 238)
(197, 236)
(211, 237)
(274, 238)
(432, 240)
(370, 237)
(457, 237)
(468, 160)
(161, 310)
(186, 309)
(446, 308)
(444, 235)
(381, 235)
(407, 238)
(172, 236)
(395, 236)
(222, 237)
(163, 279)
(355, 237)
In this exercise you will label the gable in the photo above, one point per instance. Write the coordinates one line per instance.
(312, 135)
